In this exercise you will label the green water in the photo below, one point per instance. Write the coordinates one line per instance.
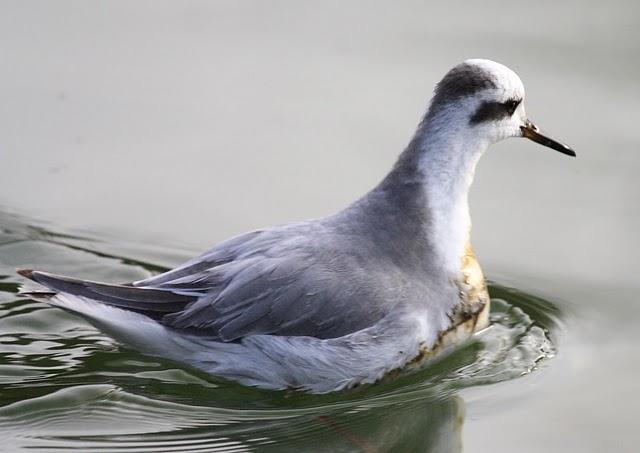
(134, 135)
(65, 385)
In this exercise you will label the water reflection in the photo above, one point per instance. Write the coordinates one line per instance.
(119, 420)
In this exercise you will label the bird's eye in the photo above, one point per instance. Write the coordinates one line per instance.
(494, 111)
(511, 105)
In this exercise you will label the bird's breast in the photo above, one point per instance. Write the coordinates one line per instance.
(471, 282)
(471, 314)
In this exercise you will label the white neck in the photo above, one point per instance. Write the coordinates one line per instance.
(447, 162)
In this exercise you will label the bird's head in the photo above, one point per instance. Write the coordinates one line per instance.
(485, 100)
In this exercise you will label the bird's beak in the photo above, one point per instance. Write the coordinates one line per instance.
(531, 131)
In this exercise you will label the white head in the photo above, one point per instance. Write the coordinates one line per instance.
(483, 102)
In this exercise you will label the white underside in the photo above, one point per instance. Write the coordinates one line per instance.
(267, 361)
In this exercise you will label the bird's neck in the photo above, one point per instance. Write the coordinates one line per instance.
(447, 162)
(439, 164)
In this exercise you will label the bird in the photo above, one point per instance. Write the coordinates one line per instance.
(339, 301)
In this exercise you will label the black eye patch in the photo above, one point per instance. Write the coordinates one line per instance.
(492, 111)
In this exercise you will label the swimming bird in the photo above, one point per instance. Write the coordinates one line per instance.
(343, 300)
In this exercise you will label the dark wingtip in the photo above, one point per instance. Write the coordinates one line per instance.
(27, 273)
(37, 294)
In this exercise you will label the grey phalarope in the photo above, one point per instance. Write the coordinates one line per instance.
(330, 303)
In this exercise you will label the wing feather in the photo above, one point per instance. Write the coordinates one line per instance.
(153, 302)
(286, 281)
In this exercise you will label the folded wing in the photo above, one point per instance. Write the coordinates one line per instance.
(254, 284)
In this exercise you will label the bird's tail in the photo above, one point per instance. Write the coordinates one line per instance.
(154, 303)
(128, 314)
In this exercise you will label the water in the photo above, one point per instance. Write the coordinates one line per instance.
(133, 137)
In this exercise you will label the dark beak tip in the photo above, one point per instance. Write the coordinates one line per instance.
(564, 149)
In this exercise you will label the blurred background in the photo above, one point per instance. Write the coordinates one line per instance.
(178, 124)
